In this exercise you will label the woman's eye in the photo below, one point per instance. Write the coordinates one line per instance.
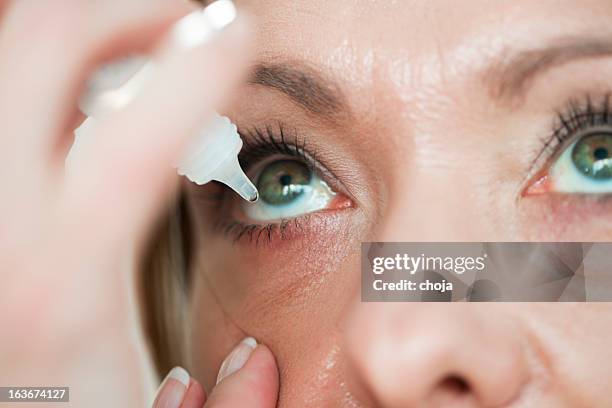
(584, 167)
(592, 156)
(288, 189)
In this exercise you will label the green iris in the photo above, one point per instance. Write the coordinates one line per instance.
(283, 181)
(592, 156)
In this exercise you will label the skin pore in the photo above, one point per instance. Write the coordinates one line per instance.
(428, 120)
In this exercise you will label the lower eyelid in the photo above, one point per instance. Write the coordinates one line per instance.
(285, 230)
(258, 234)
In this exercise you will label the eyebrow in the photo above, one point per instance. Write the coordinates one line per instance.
(306, 86)
(509, 79)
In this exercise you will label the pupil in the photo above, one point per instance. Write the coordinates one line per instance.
(285, 179)
(601, 153)
(283, 182)
(591, 156)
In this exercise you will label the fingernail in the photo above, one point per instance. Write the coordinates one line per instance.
(199, 26)
(173, 389)
(237, 358)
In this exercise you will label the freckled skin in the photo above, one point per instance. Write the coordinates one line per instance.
(427, 156)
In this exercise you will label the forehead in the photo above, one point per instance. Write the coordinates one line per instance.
(402, 53)
(328, 31)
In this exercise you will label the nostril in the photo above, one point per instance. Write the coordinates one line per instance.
(454, 385)
(451, 390)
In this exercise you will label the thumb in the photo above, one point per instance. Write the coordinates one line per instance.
(248, 377)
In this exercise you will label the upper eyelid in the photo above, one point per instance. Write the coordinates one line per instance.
(284, 139)
(255, 138)
(575, 117)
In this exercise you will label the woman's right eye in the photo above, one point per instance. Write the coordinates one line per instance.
(288, 188)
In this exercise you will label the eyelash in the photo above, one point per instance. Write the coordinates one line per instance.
(576, 117)
(257, 233)
(259, 144)
(262, 143)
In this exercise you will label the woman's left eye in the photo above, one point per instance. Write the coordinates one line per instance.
(584, 167)
(287, 189)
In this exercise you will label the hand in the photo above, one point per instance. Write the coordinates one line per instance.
(248, 378)
(66, 306)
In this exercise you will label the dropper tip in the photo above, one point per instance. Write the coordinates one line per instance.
(241, 184)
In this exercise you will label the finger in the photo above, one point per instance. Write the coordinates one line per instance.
(133, 151)
(253, 384)
(48, 49)
(173, 389)
(195, 397)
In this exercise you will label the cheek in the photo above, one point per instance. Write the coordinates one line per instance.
(253, 278)
(292, 295)
(576, 337)
(213, 334)
(557, 217)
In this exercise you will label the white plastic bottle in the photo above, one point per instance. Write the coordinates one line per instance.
(214, 155)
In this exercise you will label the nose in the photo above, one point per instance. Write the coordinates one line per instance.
(436, 355)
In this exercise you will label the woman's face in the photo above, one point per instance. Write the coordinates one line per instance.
(412, 120)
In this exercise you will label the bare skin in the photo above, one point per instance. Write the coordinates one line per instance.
(432, 117)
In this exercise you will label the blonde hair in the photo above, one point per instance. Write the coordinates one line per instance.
(164, 285)
(164, 288)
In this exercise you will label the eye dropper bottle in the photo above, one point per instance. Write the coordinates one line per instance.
(214, 153)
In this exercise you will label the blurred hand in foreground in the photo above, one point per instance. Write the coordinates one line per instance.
(65, 298)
